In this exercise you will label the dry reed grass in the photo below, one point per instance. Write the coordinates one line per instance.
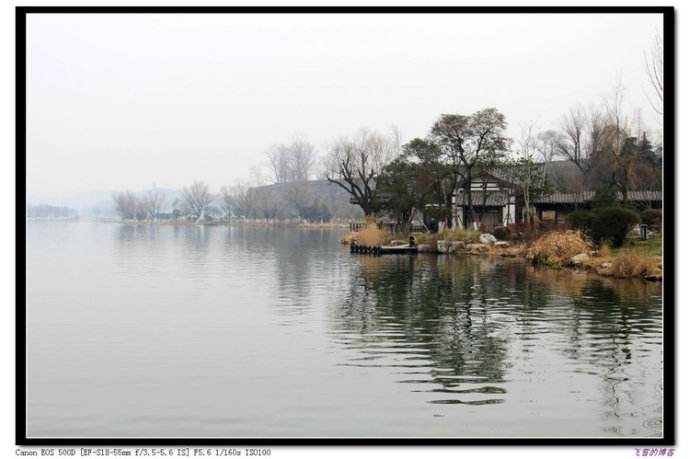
(605, 251)
(555, 248)
(369, 235)
(634, 263)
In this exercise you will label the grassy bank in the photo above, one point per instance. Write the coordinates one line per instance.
(634, 258)
(652, 246)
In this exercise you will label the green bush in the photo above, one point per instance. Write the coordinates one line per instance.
(651, 217)
(502, 233)
(613, 224)
(582, 219)
(605, 196)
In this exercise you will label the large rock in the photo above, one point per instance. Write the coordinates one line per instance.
(502, 244)
(487, 238)
(579, 259)
(443, 246)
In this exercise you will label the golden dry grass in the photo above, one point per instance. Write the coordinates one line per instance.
(605, 250)
(349, 238)
(369, 235)
(555, 248)
(372, 235)
(634, 263)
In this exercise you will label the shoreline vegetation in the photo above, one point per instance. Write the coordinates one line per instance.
(557, 249)
(569, 249)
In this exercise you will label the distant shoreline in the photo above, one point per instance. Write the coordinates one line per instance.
(259, 223)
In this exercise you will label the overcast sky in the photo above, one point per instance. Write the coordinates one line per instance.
(126, 101)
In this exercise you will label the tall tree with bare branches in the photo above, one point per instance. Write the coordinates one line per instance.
(354, 164)
(196, 198)
(582, 139)
(468, 143)
(655, 72)
(617, 142)
(292, 162)
(153, 201)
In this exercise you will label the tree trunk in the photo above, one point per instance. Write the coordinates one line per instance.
(468, 192)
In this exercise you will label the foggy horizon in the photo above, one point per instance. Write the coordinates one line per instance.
(119, 102)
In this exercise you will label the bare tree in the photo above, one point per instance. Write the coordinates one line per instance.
(547, 145)
(236, 200)
(196, 198)
(468, 143)
(302, 159)
(228, 202)
(655, 72)
(153, 201)
(265, 203)
(527, 150)
(355, 163)
(278, 163)
(129, 206)
(616, 138)
(547, 149)
(582, 139)
(257, 176)
(291, 162)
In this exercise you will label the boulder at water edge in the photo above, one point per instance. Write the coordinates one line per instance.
(487, 238)
(579, 258)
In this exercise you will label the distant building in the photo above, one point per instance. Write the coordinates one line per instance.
(555, 207)
(496, 200)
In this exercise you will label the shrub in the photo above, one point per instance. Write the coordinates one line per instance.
(613, 224)
(502, 233)
(582, 219)
(555, 248)
(605, 196)
(652, 217)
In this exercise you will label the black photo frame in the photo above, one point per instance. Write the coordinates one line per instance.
(669, 433)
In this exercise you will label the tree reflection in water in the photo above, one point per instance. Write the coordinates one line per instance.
(452, 322)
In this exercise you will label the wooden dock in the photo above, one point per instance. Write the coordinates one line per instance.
(383, 249)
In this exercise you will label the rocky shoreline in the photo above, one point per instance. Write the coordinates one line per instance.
(587, 258)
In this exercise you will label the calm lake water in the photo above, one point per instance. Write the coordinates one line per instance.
(190, 331)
